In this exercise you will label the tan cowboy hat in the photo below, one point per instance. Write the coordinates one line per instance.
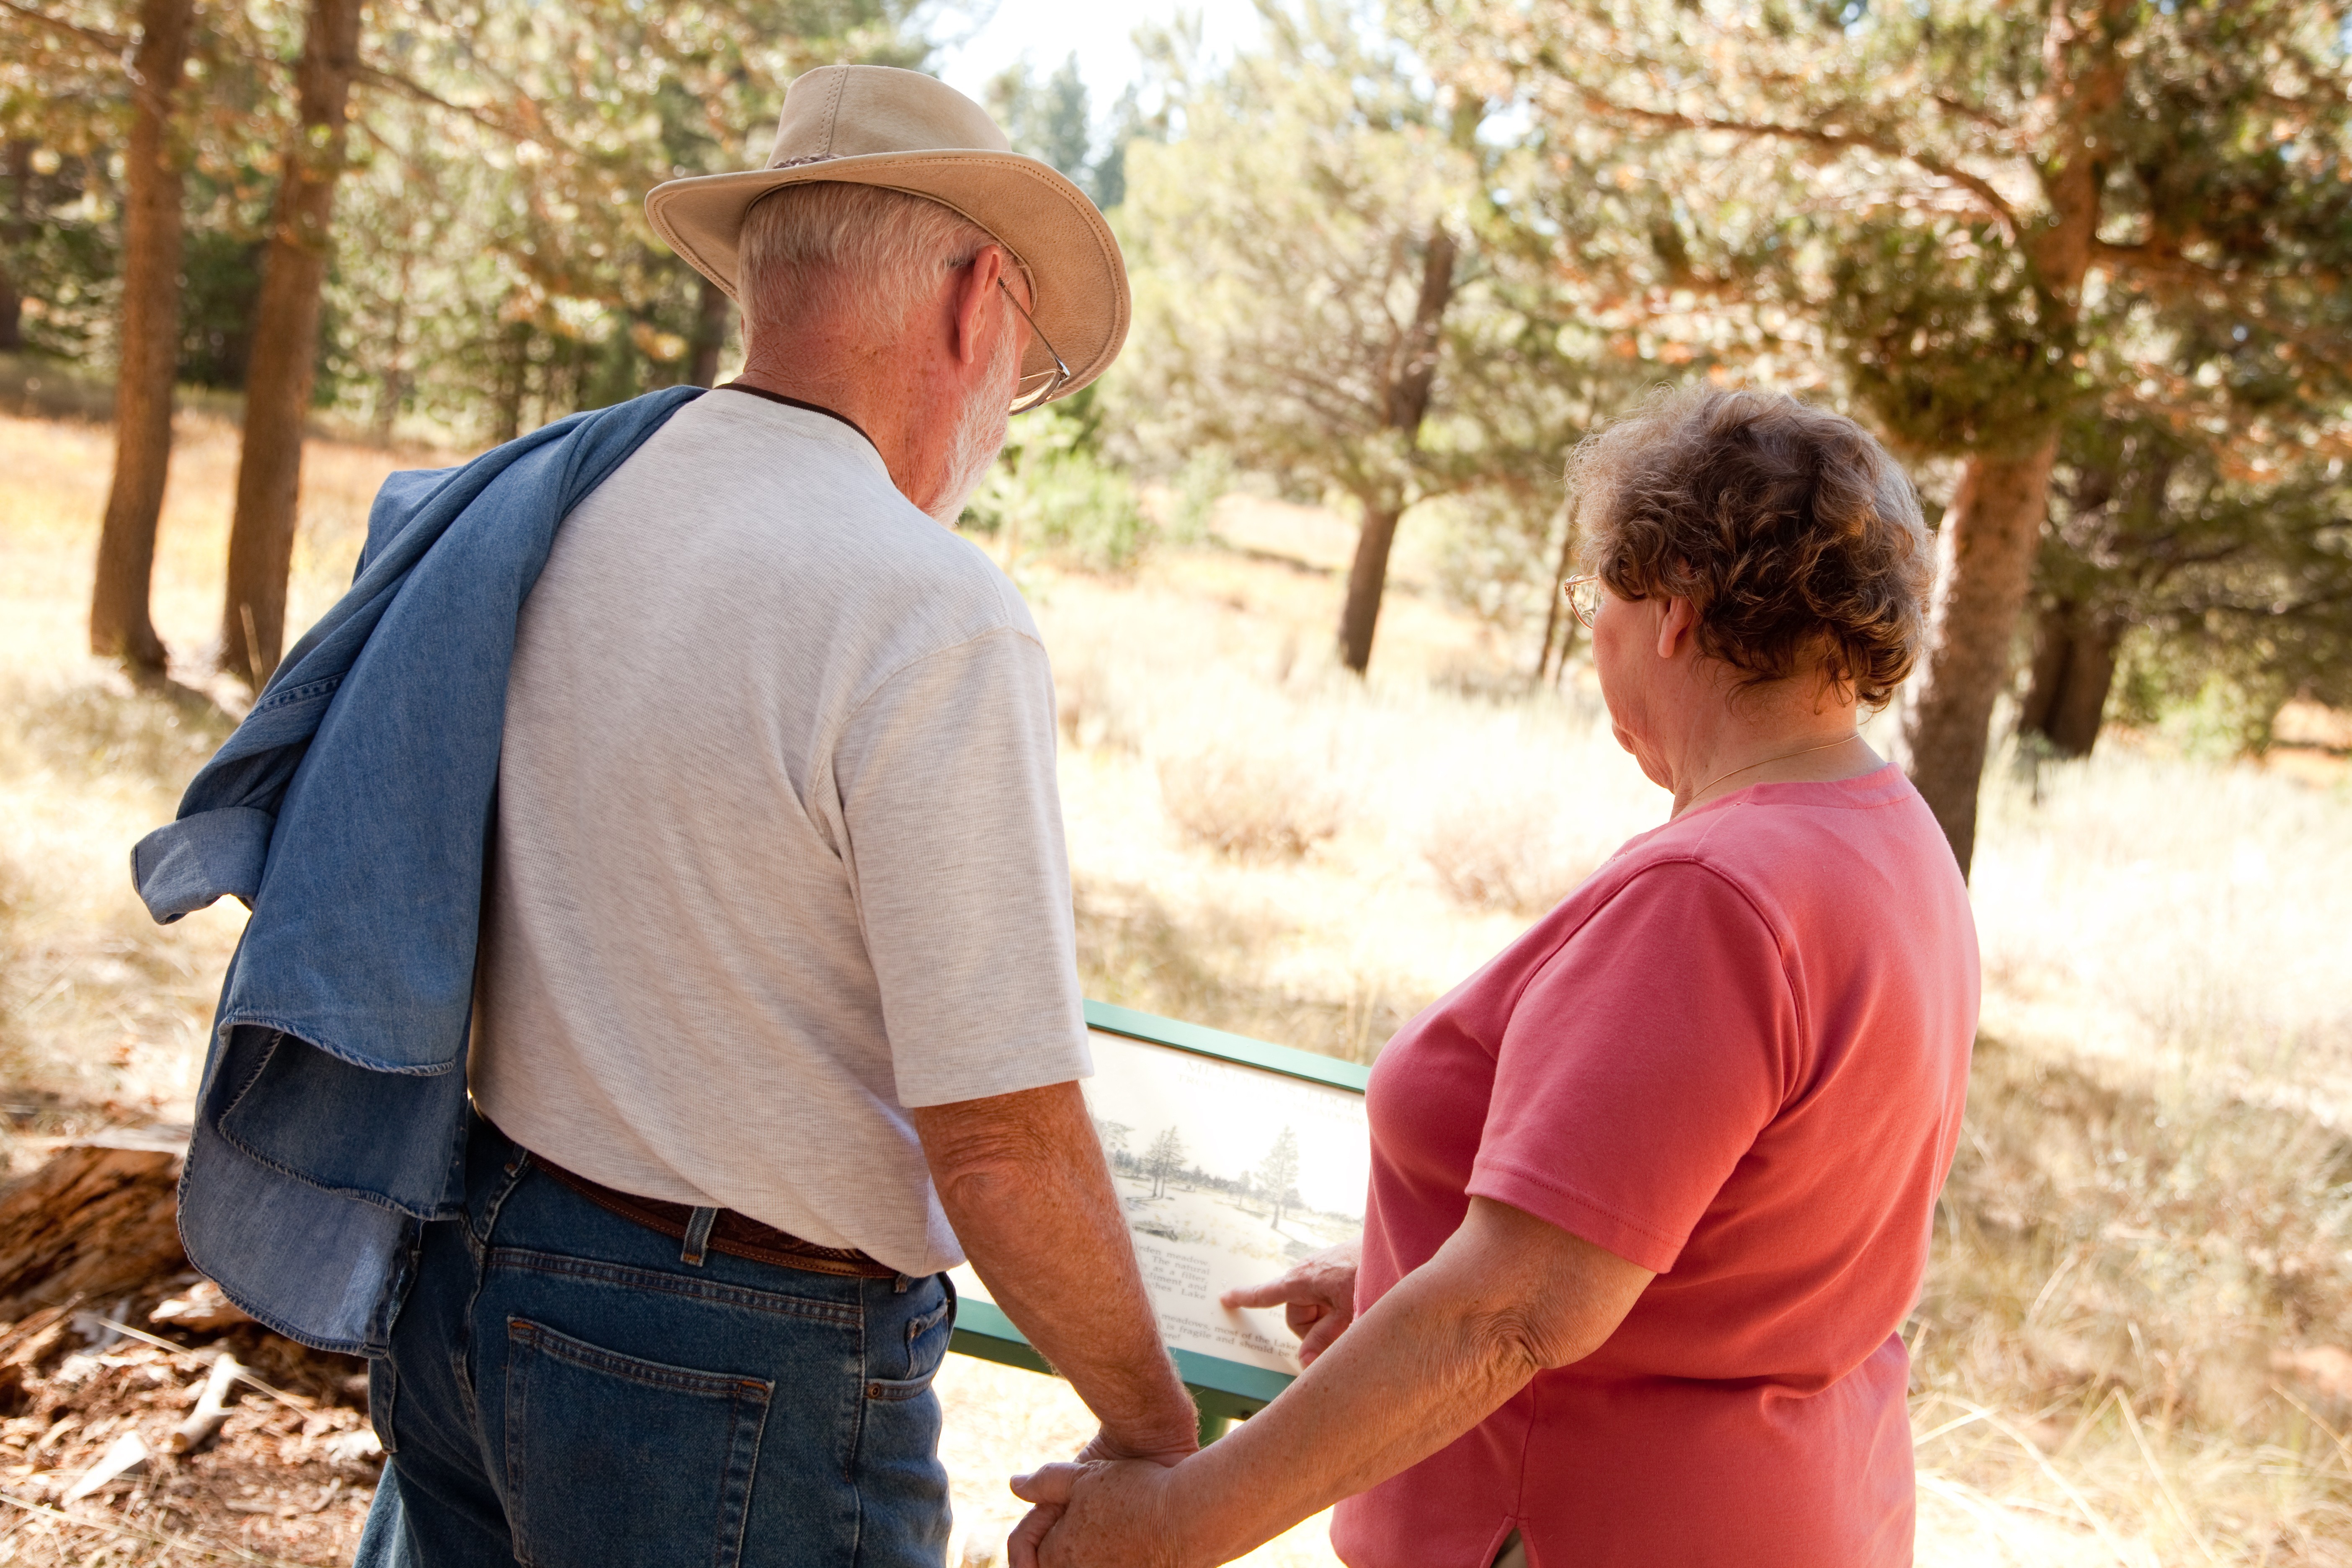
(873, 125)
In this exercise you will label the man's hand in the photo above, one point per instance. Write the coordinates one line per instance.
(1097, 1516)
(1318, 1297)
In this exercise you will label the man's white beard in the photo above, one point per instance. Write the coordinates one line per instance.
(979, 432)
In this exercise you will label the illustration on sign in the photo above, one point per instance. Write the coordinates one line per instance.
(1229, 1173)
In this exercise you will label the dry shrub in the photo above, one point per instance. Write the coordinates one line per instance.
(1252, 803)
(110, 730)
(2125, 1279)
(1206, 964)
(2111, 1232)
(1505, 852)
(1091, 705)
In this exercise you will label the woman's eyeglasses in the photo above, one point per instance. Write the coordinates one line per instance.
(1584, 595)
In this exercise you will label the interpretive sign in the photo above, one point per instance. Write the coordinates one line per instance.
(1233, 1158)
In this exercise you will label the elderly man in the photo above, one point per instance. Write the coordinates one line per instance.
(778, 1012)
(775, 1015)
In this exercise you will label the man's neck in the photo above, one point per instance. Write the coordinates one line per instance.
(862, 387)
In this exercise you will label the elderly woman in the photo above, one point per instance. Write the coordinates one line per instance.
(1652, 1191)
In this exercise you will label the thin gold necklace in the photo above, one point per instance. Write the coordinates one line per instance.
(1768, 761)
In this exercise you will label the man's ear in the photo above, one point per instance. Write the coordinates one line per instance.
(973, 298)
(1677, 624)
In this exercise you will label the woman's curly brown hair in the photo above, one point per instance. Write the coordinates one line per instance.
(1795, 537)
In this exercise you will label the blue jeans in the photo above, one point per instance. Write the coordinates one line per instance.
(564, 1392)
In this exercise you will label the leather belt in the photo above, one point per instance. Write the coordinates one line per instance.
(738, 1235)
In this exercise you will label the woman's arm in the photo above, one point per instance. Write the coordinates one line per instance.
(1507, 1297)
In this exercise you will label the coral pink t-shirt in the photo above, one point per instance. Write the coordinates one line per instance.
(1736, 1056)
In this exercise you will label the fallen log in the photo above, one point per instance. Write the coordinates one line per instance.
(100, 1217)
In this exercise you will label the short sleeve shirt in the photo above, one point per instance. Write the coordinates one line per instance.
(1736, 1057)
(779, 849)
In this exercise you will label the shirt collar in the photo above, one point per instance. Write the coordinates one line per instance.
(797, 402)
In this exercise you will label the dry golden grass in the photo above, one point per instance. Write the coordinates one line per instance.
(2131, 1348)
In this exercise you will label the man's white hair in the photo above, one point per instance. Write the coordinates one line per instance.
(827, 248)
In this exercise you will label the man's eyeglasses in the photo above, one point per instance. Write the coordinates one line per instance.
(1584, 595)
(1055, 379)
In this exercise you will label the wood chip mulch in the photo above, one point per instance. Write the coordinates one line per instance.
(286, 1481)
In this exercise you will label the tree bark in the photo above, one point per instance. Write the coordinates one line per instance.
(1365, 578)
(154, 173)
(1984, 561)
(2073, 670)
(1411, 373)
(712, 315)
(278, 380)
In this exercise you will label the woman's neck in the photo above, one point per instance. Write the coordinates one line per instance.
(1770, 737)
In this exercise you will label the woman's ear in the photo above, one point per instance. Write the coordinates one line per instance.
(1677, 625)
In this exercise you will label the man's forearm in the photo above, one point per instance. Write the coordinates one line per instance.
(1023, 1181)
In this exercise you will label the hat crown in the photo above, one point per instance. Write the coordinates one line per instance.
(849, 111)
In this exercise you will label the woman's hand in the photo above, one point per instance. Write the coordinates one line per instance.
(1102, 1449)
(1318, 1297)
(1097, 1516)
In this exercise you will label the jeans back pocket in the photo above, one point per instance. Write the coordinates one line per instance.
(612, 1461)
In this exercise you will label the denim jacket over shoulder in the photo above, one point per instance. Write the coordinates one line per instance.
(351, 810)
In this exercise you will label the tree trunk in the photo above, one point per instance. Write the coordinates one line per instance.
(1984, 561)
(1558, 613)
(278, 380)
(514, 375)
(1365, 578)
(119, 625)
(393, 384)
(19, 226)
(1412, 371)
(711, 319)
(2073, 670)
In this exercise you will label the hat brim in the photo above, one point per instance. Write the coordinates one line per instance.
(1078, 278)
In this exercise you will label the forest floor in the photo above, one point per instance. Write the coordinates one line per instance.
(2132, 1347)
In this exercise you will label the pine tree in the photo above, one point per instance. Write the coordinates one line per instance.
(1164, 1160)
(1278, 1173)
(1997, 217)
(1297, 251)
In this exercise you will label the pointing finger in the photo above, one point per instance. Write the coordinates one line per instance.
(1273, 1293)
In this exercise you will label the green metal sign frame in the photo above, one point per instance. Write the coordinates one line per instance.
(1225, 1391)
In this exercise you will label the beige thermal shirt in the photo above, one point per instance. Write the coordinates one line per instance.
(779, 850)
